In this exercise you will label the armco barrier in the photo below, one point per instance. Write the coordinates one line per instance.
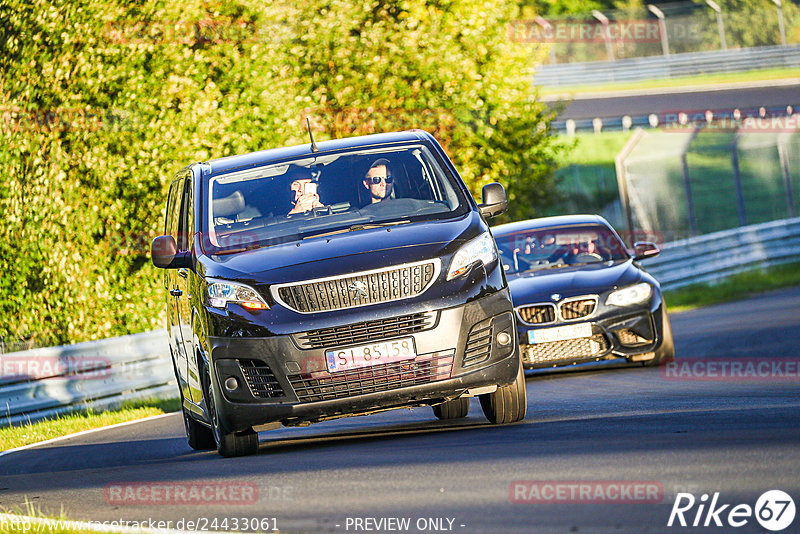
(45, 382)
(672, 66)
(711, 257)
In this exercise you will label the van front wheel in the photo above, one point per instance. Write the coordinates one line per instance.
(229, 444)
(509, 403)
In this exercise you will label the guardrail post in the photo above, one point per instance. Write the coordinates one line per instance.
(737, 176)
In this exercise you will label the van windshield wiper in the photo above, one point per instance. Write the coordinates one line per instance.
(357, 227)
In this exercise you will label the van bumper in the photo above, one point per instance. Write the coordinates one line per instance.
(283, 379)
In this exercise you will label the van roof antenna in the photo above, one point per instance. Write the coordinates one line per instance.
(314, 147)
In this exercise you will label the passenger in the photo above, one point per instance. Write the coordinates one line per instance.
(379, 181)
(305, 196)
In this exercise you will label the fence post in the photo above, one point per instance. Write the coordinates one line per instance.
(687, 186)
(622, 175)
(737, 176)
(787, 181)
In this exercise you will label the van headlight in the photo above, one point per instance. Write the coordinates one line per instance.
(221, 293)
(481, 249)
(628, 296)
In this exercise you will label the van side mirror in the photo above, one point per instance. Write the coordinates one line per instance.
(645, 249)
(164, 254)
(494, 200)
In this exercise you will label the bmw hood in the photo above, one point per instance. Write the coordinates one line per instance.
(538, 286)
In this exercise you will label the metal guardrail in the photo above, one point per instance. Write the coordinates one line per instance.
(672, 66)
(711, 257)
(45, 382)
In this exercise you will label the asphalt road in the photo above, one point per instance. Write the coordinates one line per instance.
(736, 437)
(664, 101)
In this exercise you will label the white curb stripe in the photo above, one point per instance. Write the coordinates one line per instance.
(83, 432)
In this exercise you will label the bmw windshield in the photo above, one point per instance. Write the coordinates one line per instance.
(327, 194)
(548, 248)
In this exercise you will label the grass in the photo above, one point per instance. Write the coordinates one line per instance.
(593, 149)
(732, 288)
(20, 435)
(706, 79)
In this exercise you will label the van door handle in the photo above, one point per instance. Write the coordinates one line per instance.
(175, 292)
(183, 273)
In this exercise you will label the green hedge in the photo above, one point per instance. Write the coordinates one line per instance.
(103, 101)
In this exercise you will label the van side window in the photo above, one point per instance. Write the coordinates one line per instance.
(171, 217)
(186, 220)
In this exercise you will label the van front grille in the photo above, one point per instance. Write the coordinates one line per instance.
(359, 289)
(261, 380)
(422, 370)
(367, 331)
(479, 343)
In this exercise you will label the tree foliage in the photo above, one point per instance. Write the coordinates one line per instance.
(103, 101)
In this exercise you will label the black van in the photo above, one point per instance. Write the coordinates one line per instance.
(323, 281)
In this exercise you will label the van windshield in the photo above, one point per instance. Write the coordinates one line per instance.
(327, 194)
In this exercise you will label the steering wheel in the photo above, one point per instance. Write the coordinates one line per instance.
(587, 257)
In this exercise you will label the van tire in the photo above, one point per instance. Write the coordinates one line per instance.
(508, 404)
(228, 444)
(452, 409)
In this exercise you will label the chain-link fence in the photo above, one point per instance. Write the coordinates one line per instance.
(669, 28)
(697, 179)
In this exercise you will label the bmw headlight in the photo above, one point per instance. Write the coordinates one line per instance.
(481, 249)
(628, 296)
(221, 293)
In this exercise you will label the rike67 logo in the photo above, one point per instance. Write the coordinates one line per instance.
(774, 510)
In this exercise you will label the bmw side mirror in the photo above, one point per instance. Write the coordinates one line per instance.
(164, 254)
(494, 200)
(645, 249)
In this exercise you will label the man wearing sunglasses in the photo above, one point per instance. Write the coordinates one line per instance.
(379, 181)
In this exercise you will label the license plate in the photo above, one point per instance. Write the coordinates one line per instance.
(372, 354)
(560, 333)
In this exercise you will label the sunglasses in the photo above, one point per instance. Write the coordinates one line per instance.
(375, 180)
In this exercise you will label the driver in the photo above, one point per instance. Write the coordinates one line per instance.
(305, 196)
(587, 247)
(379, 181)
